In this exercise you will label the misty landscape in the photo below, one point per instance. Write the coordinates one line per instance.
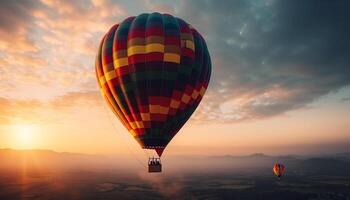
(41, 174)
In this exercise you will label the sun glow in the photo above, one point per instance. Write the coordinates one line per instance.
(24, 136)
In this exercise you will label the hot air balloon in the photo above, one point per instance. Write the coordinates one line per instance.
(278, 169)
(153, 70)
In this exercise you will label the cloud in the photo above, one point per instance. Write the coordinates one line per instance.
(76, 98)
(72, 21)
(346, 99)
(15, 17)
(160, 6)
(22, 60)
(12, 110)
(54, 111)
(49, 46)
(269, 56)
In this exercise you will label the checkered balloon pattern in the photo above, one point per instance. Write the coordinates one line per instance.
(153, 70)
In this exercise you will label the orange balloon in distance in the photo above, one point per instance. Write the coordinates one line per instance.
(278, 169)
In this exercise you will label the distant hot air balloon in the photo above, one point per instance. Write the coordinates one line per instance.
(278, 169)
(153, 71)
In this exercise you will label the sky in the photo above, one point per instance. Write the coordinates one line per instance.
(280, 76)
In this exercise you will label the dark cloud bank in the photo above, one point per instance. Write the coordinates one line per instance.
(282, 55)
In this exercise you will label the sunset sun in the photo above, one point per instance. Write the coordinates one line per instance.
(24, 135)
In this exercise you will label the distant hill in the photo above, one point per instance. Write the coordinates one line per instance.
(324, 166)
(46, 159)
(343, 156)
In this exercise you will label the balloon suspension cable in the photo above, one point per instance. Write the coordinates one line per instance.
(126, 145)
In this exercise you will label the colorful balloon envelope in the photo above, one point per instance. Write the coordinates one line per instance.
(278, 169)
(153, 70)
